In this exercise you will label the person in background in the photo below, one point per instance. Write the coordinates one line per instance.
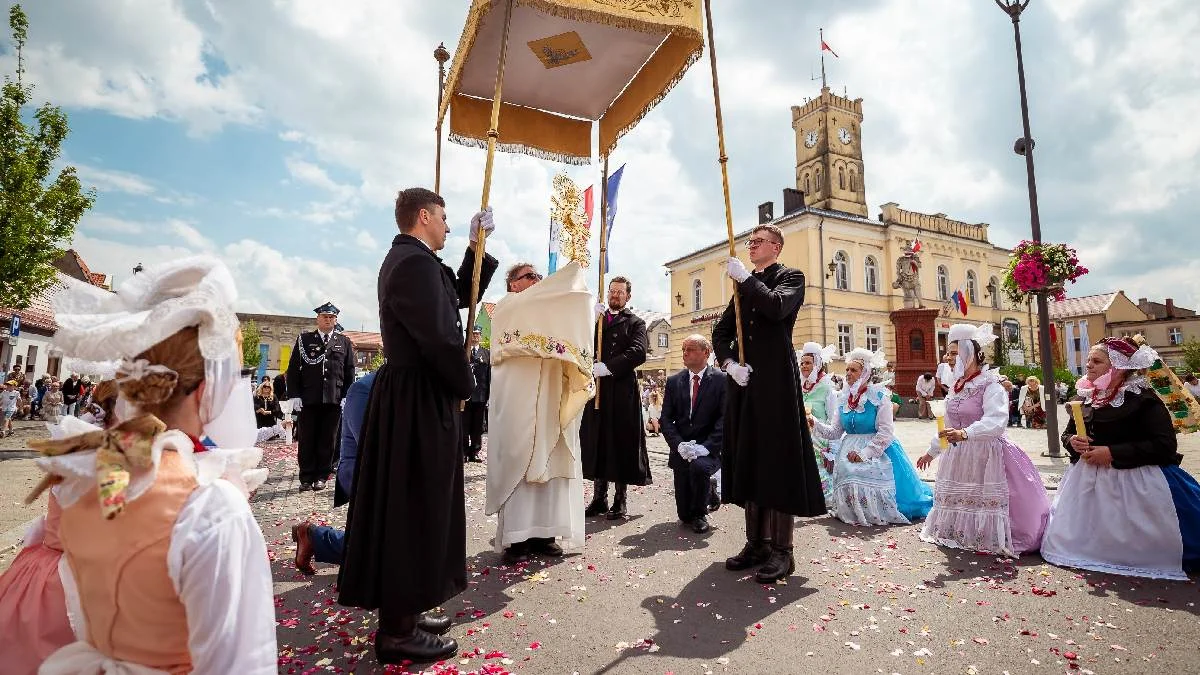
(1032, 403)
(52, 402)
(268, 415)
(692, 421)
(1192, 383)
(926, 388)
(475, 412)
(654, 411)
(888, 376)
(70, 394)
(9, 403)
(945, 374)
(1060, 391)
(41, 386)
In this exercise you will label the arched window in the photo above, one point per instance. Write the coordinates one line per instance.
(841, 271)
(697, 296)
(872, 274)
(943, 283)
(807, 183)
(853, 181)
(972, 288)
(994, 292)
(841, 178)
(818, 179)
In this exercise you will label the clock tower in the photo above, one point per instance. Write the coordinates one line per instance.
(829, 166)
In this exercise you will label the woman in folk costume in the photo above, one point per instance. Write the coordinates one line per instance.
(33, 606)
(873, 482)
(150, 515)
(1126, 508)
(820, 400)
(988, 496)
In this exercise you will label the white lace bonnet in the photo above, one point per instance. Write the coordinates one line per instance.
(1125, 355)
(963, 334)
(869, 359)
(822, 356)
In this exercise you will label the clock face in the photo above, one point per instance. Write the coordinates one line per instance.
(810, 139)
(844, 135)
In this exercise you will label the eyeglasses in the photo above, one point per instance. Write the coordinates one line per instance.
(758, 241)
(532, 276)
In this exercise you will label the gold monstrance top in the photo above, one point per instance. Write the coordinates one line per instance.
(566, 209)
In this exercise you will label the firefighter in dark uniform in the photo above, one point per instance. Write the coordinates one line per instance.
(319, 373)
(476, 411)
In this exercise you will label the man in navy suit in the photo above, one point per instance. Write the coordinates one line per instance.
(692, 416)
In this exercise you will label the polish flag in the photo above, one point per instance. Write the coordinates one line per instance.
(826, 48)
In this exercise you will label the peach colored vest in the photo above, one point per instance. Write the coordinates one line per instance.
(132, 610)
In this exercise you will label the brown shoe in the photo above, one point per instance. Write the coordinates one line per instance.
(304, 549)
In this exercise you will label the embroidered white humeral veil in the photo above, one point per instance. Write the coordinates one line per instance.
(541, 381)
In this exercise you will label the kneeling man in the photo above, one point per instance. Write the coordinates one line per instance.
(541, 381)
(692, 414)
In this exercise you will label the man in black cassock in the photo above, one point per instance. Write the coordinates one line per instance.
(319, 373)
(612, 439)
(406, 531)
(476, 411)
(768, 465)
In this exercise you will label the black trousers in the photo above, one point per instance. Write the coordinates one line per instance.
(317, 431)
(691, 487)
(474, 416)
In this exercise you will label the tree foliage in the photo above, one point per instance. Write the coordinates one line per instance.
(251, 354)
(1191, 355)
(38, 209)
(376, 362)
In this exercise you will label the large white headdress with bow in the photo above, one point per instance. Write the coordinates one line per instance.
(822, 356)
(964, 334)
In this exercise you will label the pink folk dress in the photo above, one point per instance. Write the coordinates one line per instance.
(33, 606)
(988, 496)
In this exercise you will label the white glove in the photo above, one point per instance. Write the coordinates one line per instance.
(482, 221)
(297, 404)
(686, 450)
(699, 450)
(599, 309)
(736, 270)
(600, 370)
(739, 373)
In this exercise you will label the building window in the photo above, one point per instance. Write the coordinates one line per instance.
(841, 271)
(873, 338)
(872, 275)
(943, 283)
(818, 179)
(845, 333)
(994, 283)
(662, 340)
(972, 288)
(841, 178)
(807, 183)
(853, 181)
(264, 329)
(1175, 335)
(697, 295)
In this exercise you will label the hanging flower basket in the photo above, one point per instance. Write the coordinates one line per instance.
(1040, 268)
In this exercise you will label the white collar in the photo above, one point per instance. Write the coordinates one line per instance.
(702, 373)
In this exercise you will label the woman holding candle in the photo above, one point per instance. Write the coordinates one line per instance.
(1127, 508)
(988, 495)
(820, 400)
(873, 482)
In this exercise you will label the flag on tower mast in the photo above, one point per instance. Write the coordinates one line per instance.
(826, 48)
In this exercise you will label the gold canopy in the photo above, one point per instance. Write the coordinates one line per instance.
(570, 63)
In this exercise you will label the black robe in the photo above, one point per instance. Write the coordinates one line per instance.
(406, 532)
(612, 439)
(1139, 432)
(768, 458)
(327, 380)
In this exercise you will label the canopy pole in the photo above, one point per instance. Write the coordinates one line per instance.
(723, 161)
(441, 56)
(493, 134)
(601, 266)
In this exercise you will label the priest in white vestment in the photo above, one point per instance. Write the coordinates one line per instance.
(541, 381)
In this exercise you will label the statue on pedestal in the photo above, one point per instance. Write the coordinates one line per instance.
(908, 278)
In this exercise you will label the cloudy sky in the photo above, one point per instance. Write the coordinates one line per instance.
(275, 134)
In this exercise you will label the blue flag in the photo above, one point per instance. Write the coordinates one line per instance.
(614, 184)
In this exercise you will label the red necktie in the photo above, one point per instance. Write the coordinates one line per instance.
(695, 392)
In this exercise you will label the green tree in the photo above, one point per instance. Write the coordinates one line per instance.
(1191, 355)
(251, 355)
(376, 362)
(38, 212)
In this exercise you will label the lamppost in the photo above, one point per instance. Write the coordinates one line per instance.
(1024, 147)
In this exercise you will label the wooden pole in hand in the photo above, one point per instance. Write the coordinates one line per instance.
(493, 134)
(603, 271)
(441, 56)
(723, 160)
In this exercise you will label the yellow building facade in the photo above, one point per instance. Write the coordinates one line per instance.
(850, 260)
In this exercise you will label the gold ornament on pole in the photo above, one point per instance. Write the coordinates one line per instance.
(566, 209)
(441, 56)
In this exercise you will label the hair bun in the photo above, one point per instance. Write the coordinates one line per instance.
(151, 388)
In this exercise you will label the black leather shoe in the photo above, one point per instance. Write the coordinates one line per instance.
(780, 565)
(516, 554)
(319, 485)
(437, 625)
(753, 553)
(597, 507)
(618, 510)
(546, 546)
(305, 486)
(474, 459)
(714, 500)
(700, 525)
(418, 647)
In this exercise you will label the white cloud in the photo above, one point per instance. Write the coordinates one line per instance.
(103, 224)
(189, 235)
(366, 241)
(110, 180)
